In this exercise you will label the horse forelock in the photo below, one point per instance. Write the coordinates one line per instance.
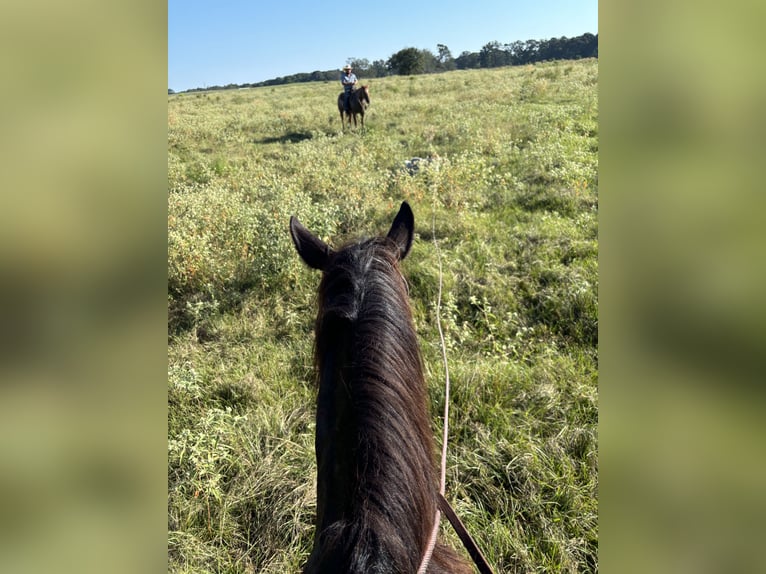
(353, 271)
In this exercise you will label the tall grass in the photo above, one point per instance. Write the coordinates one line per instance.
(509, 191)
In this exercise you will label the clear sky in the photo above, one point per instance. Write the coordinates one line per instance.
(219, 42)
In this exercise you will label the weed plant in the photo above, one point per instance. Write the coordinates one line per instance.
(508, 190)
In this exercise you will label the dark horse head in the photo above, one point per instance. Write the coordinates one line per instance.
(358, 101)
(376, 480)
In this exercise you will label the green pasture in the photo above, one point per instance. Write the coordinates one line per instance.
(505, 199)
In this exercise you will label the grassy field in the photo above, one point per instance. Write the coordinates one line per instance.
(510, 195)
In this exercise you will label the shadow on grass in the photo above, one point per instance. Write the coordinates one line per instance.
(292, 137)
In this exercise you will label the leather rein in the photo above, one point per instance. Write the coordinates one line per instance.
(465, 537)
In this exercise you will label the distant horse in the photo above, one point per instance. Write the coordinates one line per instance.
(358, 102)
(376, 482)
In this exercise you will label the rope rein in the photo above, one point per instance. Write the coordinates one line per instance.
(443, 480)
(443, 504)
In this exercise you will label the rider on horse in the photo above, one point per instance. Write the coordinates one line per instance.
(348, 79)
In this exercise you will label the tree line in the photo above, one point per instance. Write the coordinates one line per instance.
(411, 61)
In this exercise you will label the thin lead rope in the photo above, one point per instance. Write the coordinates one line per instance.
(442, 483)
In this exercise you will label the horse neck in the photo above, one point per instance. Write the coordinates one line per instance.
(376, 484)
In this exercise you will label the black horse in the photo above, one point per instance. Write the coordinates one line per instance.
(358, 101)
(376, 482)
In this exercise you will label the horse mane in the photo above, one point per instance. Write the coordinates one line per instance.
(376, 479)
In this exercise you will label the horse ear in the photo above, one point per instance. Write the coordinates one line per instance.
(403, 229)
(312, 250)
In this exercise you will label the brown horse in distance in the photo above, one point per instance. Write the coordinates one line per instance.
(358, 102)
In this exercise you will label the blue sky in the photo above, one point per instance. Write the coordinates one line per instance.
(219, 42)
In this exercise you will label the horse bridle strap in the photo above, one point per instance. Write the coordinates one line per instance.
(465, 538)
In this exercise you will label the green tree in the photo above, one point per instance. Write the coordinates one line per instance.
(554, 49)
(467, 60)
(521, 52)
(588, 45)
(444, 57)
(493, 55)
(430, 63)
(361, 65)
(378, 69)
(532, 50)
(406, 61)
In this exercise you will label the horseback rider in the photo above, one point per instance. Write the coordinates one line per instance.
(348, 79)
